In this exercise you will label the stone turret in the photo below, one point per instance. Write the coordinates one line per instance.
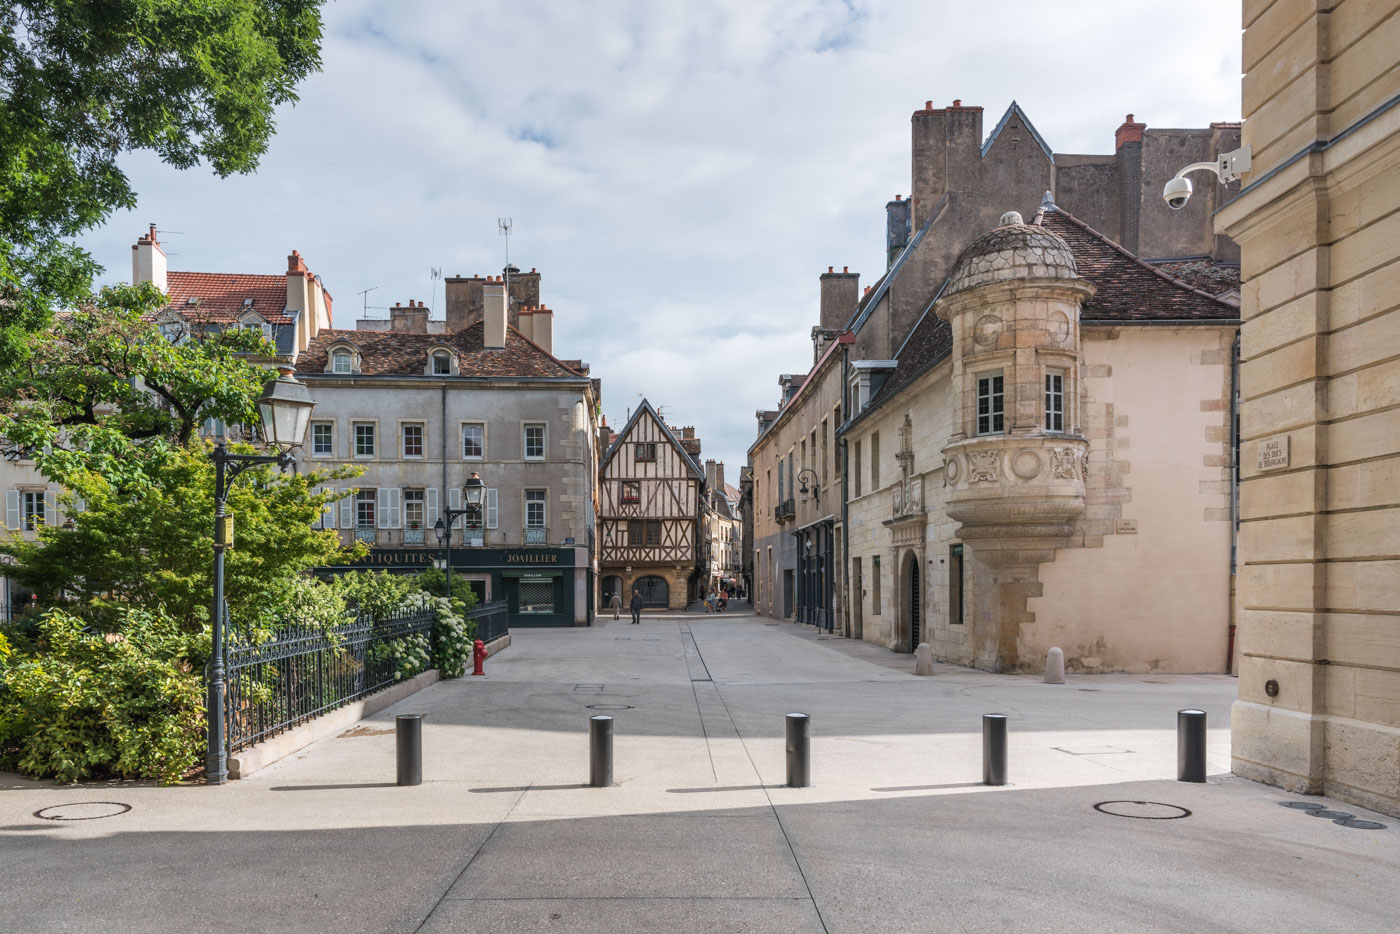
(1016, 460)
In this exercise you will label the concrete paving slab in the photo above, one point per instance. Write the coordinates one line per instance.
(624, 916)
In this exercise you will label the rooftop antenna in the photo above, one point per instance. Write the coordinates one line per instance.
(434, 273)
(365, 293)
(505, 224)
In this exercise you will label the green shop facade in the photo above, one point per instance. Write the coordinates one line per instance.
(541, 586)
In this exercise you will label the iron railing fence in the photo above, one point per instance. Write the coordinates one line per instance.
(305, 670)
(492, 619)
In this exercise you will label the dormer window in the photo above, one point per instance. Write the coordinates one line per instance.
(442, 363)
(341, 361)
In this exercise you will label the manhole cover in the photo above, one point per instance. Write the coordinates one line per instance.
(1301, 805)
(1332, 815)
(1360, 824)
(85, 810)
(611, 707)
(1144, 810)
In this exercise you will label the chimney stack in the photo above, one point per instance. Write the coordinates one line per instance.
(148, 261)
(1129, 132)
(896, 228)
(410, 320)
(840, 294)
(493, 295)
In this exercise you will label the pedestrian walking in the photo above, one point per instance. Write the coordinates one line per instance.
(636, 607)
(616, 602)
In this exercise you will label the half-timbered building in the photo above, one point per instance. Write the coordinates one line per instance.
(651, 494)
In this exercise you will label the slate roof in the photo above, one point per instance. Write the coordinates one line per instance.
(221, 296)
(395, 353)
(1128, 288)
(1201, 273)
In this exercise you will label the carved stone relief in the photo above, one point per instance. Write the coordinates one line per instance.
(987, 329)
(1026, 464)
(1058, 326)
(951, 471)
(1063, 464)
(983, 466)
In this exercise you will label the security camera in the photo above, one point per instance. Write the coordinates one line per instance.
(1228, 167)
(1177, 193)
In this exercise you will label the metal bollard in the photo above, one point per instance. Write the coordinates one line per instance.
(600, 752)
(1191, 745)
(994, 749)
(799, 752)
(408, 746)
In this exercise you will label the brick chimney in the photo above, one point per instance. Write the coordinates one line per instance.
(148, 261)
(412, 319)
(840, 293)
(1129, 132)
(493, 297)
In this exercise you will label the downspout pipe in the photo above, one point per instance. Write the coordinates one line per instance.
(1234, 496)
(845, 500)
(442, 494)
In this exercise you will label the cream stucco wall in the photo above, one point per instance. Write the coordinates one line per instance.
(1151, 591)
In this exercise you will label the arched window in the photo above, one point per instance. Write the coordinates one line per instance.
(442, 363)
(340, 361)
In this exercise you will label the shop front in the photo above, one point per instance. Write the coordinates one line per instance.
(542, 586)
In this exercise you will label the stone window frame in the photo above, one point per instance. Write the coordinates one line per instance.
(525, 503)
(525, 441)
(335, 350)
(430, 364)
(366, 514)
(1053, 394)
(422, 426)
(373, 425)
(462, 427)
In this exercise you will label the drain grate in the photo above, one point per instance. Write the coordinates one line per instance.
(1301, 805)
(1142, 810)
(611, 707)
(1360, 824)
(83, 810)
(1331, 815)
(588, 688)
(1341, 818)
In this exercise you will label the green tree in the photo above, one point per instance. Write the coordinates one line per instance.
(83, 81)
(150, 545)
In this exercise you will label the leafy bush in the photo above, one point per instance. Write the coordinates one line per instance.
(452, 633)
(376, 594)
(126, 704)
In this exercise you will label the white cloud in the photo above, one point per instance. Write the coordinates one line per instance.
(680, 173)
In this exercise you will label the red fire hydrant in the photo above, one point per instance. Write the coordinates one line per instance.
(478, 656)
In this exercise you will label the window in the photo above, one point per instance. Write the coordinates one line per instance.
(955, 585)
(414, 510)
(644, 532)
(413, 439)
(442, 364)
(825, 452)
(855, 467)
(364, 440)
(340, 361)
(322, 439)
(536, 596)
(990, 418)
(645, 452)
(34, 515)
(473, 441)
(631, 491)
(875, 585)
(364, 508)
(1054, 400)
(875, 461)
(535, 501)
(173, 331)
(534, 442)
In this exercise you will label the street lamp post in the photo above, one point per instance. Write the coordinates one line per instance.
(802, 477)
(473, 492)
(285, 409)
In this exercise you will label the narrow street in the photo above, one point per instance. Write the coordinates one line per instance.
(699, 833)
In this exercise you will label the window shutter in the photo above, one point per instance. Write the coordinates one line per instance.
(50, 509)
(382, 512)
(389, 507)
(395, 497)
(454, 501)
(492, 514)
(431, 505)
(328, 510)
(12, 509)
(347, 512)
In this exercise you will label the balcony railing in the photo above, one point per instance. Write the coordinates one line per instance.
(413, 536)
(537, 536)
(785, 510)
(370, 536)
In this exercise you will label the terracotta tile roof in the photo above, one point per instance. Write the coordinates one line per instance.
(1128, 288)
(929, 342)
(396, 353)
(221, 296)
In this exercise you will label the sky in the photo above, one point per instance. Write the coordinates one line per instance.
(680, 173)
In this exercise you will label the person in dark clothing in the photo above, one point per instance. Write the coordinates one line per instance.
(637, 607)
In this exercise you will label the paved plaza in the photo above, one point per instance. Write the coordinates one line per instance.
(699, 833)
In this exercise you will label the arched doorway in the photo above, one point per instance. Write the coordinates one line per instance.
(655, 591)
(910, 598)
(613, 584)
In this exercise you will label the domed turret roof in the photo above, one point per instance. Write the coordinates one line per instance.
(1014, 250)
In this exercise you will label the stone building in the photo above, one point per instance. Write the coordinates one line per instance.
(1318, 224)
(651, 513)
(420, 412)
(723, 532)
(1048, 464)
